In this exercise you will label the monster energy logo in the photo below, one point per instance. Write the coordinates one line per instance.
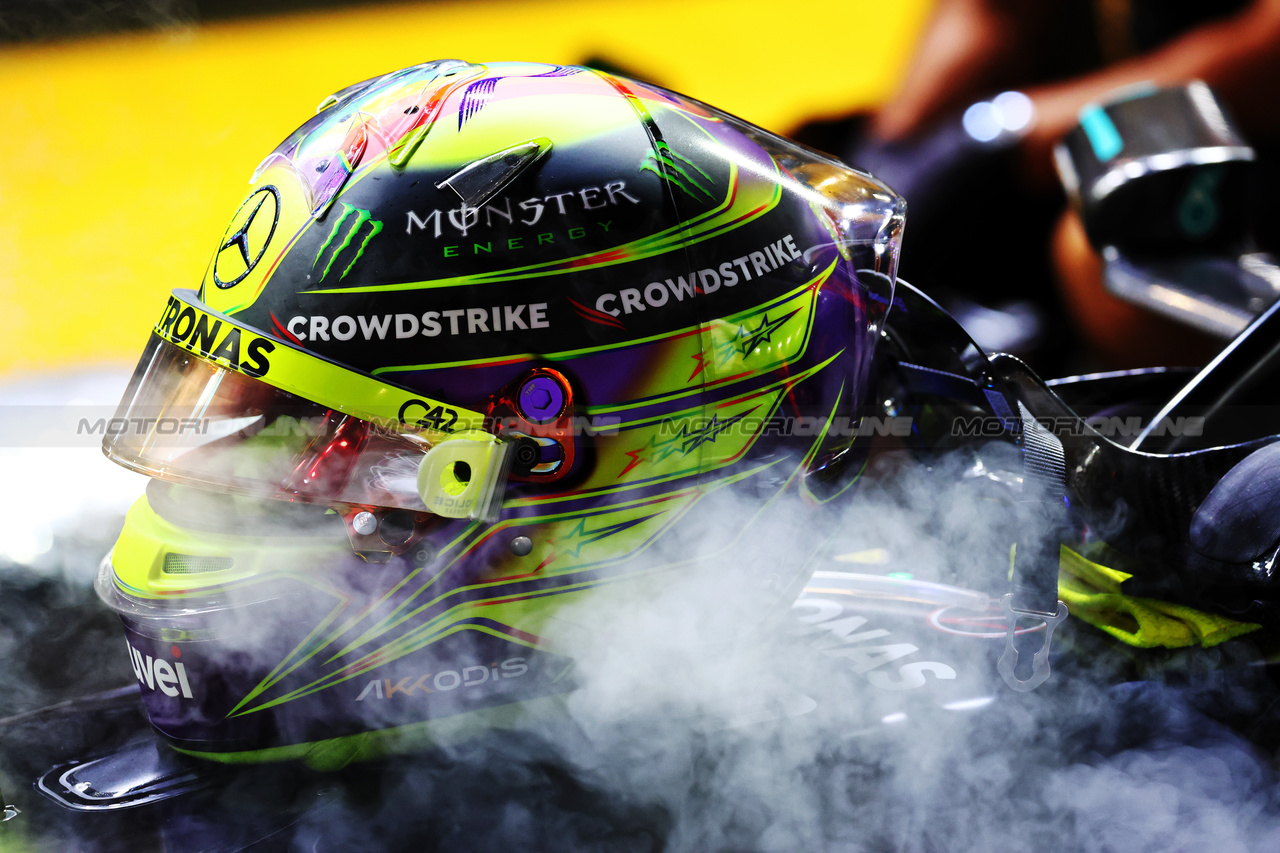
(676, 169)
(361, 217)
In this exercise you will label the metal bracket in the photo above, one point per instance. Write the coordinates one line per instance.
(1040, 660)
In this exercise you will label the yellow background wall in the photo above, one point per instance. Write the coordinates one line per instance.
(124, 156)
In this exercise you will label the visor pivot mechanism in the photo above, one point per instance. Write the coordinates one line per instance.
(536, 414)
(1008, 664)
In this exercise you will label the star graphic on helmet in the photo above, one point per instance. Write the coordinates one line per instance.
(687, 440)
(580, 536)
(744, 343)
(684, 441)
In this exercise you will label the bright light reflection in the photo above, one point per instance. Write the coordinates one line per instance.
(981, 121)
(1014, 110)
(969, 704)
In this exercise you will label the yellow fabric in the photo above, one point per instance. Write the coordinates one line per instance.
(1091, 592)
(127, 155)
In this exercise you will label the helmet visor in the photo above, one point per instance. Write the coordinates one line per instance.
(189, 419)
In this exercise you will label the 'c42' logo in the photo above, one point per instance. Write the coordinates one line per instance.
(433, 418)
(246, 238)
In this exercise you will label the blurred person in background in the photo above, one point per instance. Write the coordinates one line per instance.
(980, 222)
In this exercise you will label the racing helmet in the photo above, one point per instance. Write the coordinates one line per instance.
(480, 341)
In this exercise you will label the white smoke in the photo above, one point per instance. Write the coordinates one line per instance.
(755, 736)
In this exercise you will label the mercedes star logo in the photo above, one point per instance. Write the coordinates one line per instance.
(247, 237)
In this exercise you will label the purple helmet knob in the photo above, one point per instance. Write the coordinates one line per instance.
(541, 399)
